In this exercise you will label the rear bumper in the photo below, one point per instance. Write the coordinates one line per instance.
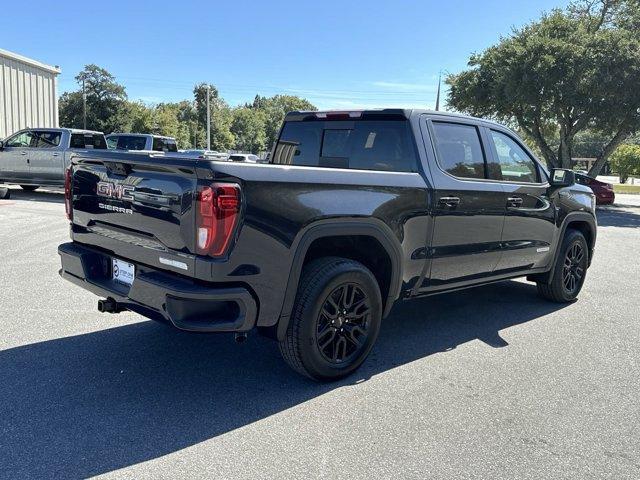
(160, 295)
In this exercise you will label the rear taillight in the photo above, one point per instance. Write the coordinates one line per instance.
(68, 193)
(217, 210)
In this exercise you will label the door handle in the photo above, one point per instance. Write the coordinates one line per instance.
(56, 154)
(514, 201)
(449, 201)
(23, 153)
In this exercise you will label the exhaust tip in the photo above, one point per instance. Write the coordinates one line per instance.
(240, 337)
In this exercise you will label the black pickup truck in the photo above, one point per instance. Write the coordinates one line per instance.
(354, 211)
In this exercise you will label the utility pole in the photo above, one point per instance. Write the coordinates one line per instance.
(438, 96)
(208, 121)
(84, 105)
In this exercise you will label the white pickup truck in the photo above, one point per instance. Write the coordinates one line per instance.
(36, 157)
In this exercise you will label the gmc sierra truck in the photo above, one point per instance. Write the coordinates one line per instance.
(355, 211)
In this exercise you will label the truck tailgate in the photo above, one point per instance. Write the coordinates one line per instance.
(137, 207)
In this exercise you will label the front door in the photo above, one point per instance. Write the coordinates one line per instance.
(529, 225)
(14, 157)
(468, 210)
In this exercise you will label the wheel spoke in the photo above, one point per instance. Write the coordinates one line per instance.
(328, 338)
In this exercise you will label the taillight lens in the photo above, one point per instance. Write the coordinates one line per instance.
(68, 193)
(218, 207)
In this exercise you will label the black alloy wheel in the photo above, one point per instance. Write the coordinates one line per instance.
(343, 323)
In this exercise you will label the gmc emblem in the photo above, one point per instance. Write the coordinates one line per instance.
(113, 190)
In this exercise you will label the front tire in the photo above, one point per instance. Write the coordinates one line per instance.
(335, 320)
(569, 270)
(29, 188)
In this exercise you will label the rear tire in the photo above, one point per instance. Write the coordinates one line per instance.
(29, 188)
(569, 270)
(335, 320)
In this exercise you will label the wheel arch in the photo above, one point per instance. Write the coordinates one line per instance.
(309, 246)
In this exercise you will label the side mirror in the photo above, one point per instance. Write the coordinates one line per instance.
(562, 177)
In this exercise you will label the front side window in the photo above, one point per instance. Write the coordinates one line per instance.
(22, 139)
(364, 145)
(47, 139)
(514, 164)
(459, 150)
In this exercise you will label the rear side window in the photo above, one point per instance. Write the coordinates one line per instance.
(47, 139)
(365, 145)
(164, 145)
(459, 150)
(88, 140)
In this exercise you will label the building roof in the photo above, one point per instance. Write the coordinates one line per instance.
(34, 63)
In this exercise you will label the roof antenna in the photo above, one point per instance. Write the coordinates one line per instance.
(438, 97)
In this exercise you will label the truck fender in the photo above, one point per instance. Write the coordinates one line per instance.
(337, 227)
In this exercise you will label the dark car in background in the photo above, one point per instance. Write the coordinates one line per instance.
(602, 190)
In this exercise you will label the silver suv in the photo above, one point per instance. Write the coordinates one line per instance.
(36, 157)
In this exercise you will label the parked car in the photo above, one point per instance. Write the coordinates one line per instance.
(36, 157)
(603, 191)
(243, 157)
(141, 141)
(355, 211)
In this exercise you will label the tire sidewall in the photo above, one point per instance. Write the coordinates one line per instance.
(310, 353)
(570, 240)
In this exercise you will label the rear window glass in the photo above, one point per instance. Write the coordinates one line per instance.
(164, 145)
(459, 150)
(47, 139)
(365, 144)
(87, 140)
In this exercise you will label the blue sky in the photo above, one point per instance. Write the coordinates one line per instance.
(338, 54)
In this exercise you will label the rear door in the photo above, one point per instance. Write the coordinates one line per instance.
(529, 225)
(14, 157)
(468, 209)
(46, 158)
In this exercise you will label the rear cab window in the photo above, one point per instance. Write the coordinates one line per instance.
(363, 144)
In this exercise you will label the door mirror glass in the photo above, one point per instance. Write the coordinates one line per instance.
(561, 177)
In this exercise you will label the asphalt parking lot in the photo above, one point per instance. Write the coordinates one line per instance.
(485, 383)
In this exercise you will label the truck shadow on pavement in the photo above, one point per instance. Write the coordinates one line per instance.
(93, 403)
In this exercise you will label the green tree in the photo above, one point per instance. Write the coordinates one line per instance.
(221, 117)
(625, 161)
(570, 71)
(275, 108)
(107, 106)
(248, 128)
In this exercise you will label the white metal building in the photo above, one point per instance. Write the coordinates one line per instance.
(28, 94)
